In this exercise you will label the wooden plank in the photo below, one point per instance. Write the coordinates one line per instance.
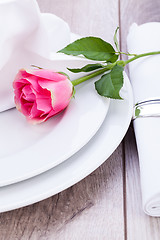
(90, 210)
(93, 208)
(139, 225)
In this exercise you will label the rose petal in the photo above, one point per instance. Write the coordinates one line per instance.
(28, 93)
(22, 78)
(44, 104)
(25, 107)
(48, 75)
(20, 83)
(34, 111)
(62, 93)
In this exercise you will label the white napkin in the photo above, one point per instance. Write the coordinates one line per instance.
(145, 79)
(25, 35)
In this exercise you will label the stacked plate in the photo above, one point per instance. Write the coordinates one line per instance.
(40, 161)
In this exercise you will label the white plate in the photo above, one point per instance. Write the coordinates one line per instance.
(27, 150)
(91, 156)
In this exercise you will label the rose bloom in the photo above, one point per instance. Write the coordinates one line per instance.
(41, 94)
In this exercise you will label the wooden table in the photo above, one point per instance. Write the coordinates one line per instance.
(106, 205)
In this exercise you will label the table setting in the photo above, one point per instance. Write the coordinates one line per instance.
(102, 91)
(31, 157)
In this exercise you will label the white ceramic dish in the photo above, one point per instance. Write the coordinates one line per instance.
(91, 156)
(27, 150)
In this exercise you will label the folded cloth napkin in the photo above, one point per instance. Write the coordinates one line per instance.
(145, 79)
(26, 34)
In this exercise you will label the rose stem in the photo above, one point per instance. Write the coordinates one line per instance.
(141, 55)
(94, 74)
(110, 66)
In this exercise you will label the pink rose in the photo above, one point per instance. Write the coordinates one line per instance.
(41, 94)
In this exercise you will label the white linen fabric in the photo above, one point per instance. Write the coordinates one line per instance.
(145, 79)
(26, 35)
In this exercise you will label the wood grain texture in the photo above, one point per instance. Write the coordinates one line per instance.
(89, 210)
(138, 225)
(93, 208)
(98, 17)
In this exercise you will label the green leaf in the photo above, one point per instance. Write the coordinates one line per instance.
(73, 93)
(63, 73)
(115, 39)
(114, 58)
(90, 47)
(87, 68)
(137, 112)
(32, 65)
(110, 84)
